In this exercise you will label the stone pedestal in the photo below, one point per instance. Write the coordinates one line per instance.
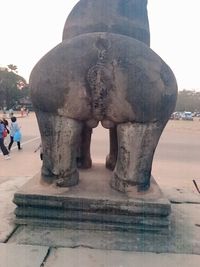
(92, 204)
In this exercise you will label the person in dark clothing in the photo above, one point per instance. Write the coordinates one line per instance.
(5, 122)
(2, 146)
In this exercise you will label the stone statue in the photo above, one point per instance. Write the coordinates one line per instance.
(103, 71)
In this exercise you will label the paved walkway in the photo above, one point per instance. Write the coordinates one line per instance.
(176, 164)
(37, 256)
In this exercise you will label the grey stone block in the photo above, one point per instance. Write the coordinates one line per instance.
(92, 201)
(183, 235)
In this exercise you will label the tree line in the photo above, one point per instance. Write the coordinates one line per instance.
(188, 100)
(13, 87)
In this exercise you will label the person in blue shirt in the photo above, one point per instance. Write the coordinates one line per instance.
(14, 130)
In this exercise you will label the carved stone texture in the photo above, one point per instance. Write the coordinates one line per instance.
(98, 74)
(122, 17)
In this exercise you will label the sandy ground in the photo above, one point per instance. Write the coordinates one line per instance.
(177, 158)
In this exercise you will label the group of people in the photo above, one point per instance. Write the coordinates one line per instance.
(15, 135)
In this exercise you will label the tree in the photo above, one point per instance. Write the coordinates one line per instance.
(188, 101)
(12, 67)
(11, 86)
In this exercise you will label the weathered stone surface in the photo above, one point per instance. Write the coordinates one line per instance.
(22, 256)
(101, 258)
(139, 86)
(183, 235)
(92, 202)
(122, 17)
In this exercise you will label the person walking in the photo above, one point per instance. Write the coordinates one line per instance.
(2, 135)
(15, 134)
(5, 122)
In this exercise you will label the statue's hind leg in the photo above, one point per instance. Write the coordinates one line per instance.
(84, 160)
(111, 158)
(136, 144)
(60, 137)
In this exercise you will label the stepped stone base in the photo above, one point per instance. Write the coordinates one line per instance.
(92, 204)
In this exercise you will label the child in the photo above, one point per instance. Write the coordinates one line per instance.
(15, 134)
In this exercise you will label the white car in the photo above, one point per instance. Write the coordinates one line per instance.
(187, 115)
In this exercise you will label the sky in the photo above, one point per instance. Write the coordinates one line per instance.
(30, 28)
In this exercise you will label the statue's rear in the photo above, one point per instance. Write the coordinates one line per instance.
(103, 71)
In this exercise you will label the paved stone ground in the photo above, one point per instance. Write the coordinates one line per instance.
(99, 258)
(7, 189)
(22, 256)
(176, 164)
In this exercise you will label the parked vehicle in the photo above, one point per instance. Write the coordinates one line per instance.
(187, 115)
(196, 114)
(175, 116)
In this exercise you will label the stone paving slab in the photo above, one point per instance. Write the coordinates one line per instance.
(182, 237)
(22, 256)
(8, 186)
(182, 194)
(81, 257)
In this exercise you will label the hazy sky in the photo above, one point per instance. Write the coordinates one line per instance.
(30, 28)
